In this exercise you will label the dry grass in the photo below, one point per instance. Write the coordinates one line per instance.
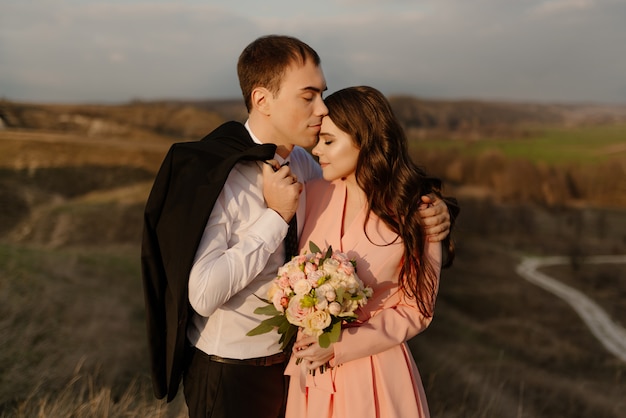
(501, 347)
(73, 334)
(498, 347)
(83, 397)
(71, 307)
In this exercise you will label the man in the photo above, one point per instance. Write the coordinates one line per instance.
(213, 239)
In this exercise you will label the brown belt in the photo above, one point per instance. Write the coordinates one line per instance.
(258, 361)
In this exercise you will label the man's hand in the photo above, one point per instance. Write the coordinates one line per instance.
(281, 189)
(436, 218)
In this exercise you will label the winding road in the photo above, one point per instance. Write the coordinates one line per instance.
(611, 335)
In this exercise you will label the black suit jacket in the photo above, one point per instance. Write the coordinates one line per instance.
(185, 189)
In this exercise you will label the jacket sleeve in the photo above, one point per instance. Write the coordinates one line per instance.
(448, 243)
(154, 279)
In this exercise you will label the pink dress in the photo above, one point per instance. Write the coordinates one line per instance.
(376, 375)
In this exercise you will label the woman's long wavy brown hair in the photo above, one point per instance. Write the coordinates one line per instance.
(392, 182)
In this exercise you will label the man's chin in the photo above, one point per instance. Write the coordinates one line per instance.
(308, 142)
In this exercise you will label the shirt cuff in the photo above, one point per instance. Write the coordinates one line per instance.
(271, 228)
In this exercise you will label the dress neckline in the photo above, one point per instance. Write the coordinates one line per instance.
(346, 228)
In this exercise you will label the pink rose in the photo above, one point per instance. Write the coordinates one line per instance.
(295, 277)
(295, 312)
(315, 276)
(346, 267)
(280, 300)
(283, 282)
(309, 267)
(340, 256)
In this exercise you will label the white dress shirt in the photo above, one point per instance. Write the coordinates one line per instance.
(238, 256)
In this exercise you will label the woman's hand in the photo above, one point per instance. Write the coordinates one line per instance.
(310, 353)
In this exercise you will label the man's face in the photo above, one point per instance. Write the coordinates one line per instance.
(298, 108)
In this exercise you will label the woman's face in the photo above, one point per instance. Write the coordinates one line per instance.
(336, 152)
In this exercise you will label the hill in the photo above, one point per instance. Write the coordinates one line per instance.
(193, 119)
(74, 180)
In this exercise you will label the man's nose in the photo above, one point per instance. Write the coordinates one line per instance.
(321, 109)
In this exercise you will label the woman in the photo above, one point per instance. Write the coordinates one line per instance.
(367, 206)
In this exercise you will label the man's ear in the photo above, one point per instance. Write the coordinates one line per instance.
(261, 100)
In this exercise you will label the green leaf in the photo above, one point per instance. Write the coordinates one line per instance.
(284, 326)
(340, 292)
(335, 332)
(324, 340)
(261, 299)
(267, 325)
(267, 310)
(308, 301)
(288, 336)
(260, 329)
(276, 321)
(314, 248)
(331, 336)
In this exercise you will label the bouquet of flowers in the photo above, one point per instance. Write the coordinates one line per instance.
(316, 292)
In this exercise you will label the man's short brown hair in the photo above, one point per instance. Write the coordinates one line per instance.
(264, 62)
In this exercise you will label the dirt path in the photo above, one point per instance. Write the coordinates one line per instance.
(610, 334)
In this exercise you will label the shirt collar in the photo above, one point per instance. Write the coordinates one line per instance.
(277, 157)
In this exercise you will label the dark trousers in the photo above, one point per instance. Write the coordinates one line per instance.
(219, 390)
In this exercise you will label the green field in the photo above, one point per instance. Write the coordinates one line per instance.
(592, 144)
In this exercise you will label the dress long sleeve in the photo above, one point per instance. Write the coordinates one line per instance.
(390, 326)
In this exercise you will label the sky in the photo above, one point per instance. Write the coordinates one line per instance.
(112, 51)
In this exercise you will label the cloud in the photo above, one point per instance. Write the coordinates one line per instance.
(560, 50)
(133, 49)
(561, 6)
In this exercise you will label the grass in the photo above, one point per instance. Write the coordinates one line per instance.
(73, 339)
(74, 344)
(83, 397)
(72, 317)
(588, 145)
(501, 347)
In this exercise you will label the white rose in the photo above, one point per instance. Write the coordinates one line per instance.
(295, 277)
(321, 304)
(302, 287)
(321, 291)
(287, 268)
(315, 322)
(330, 265)
(334, 308)
(349, 306)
